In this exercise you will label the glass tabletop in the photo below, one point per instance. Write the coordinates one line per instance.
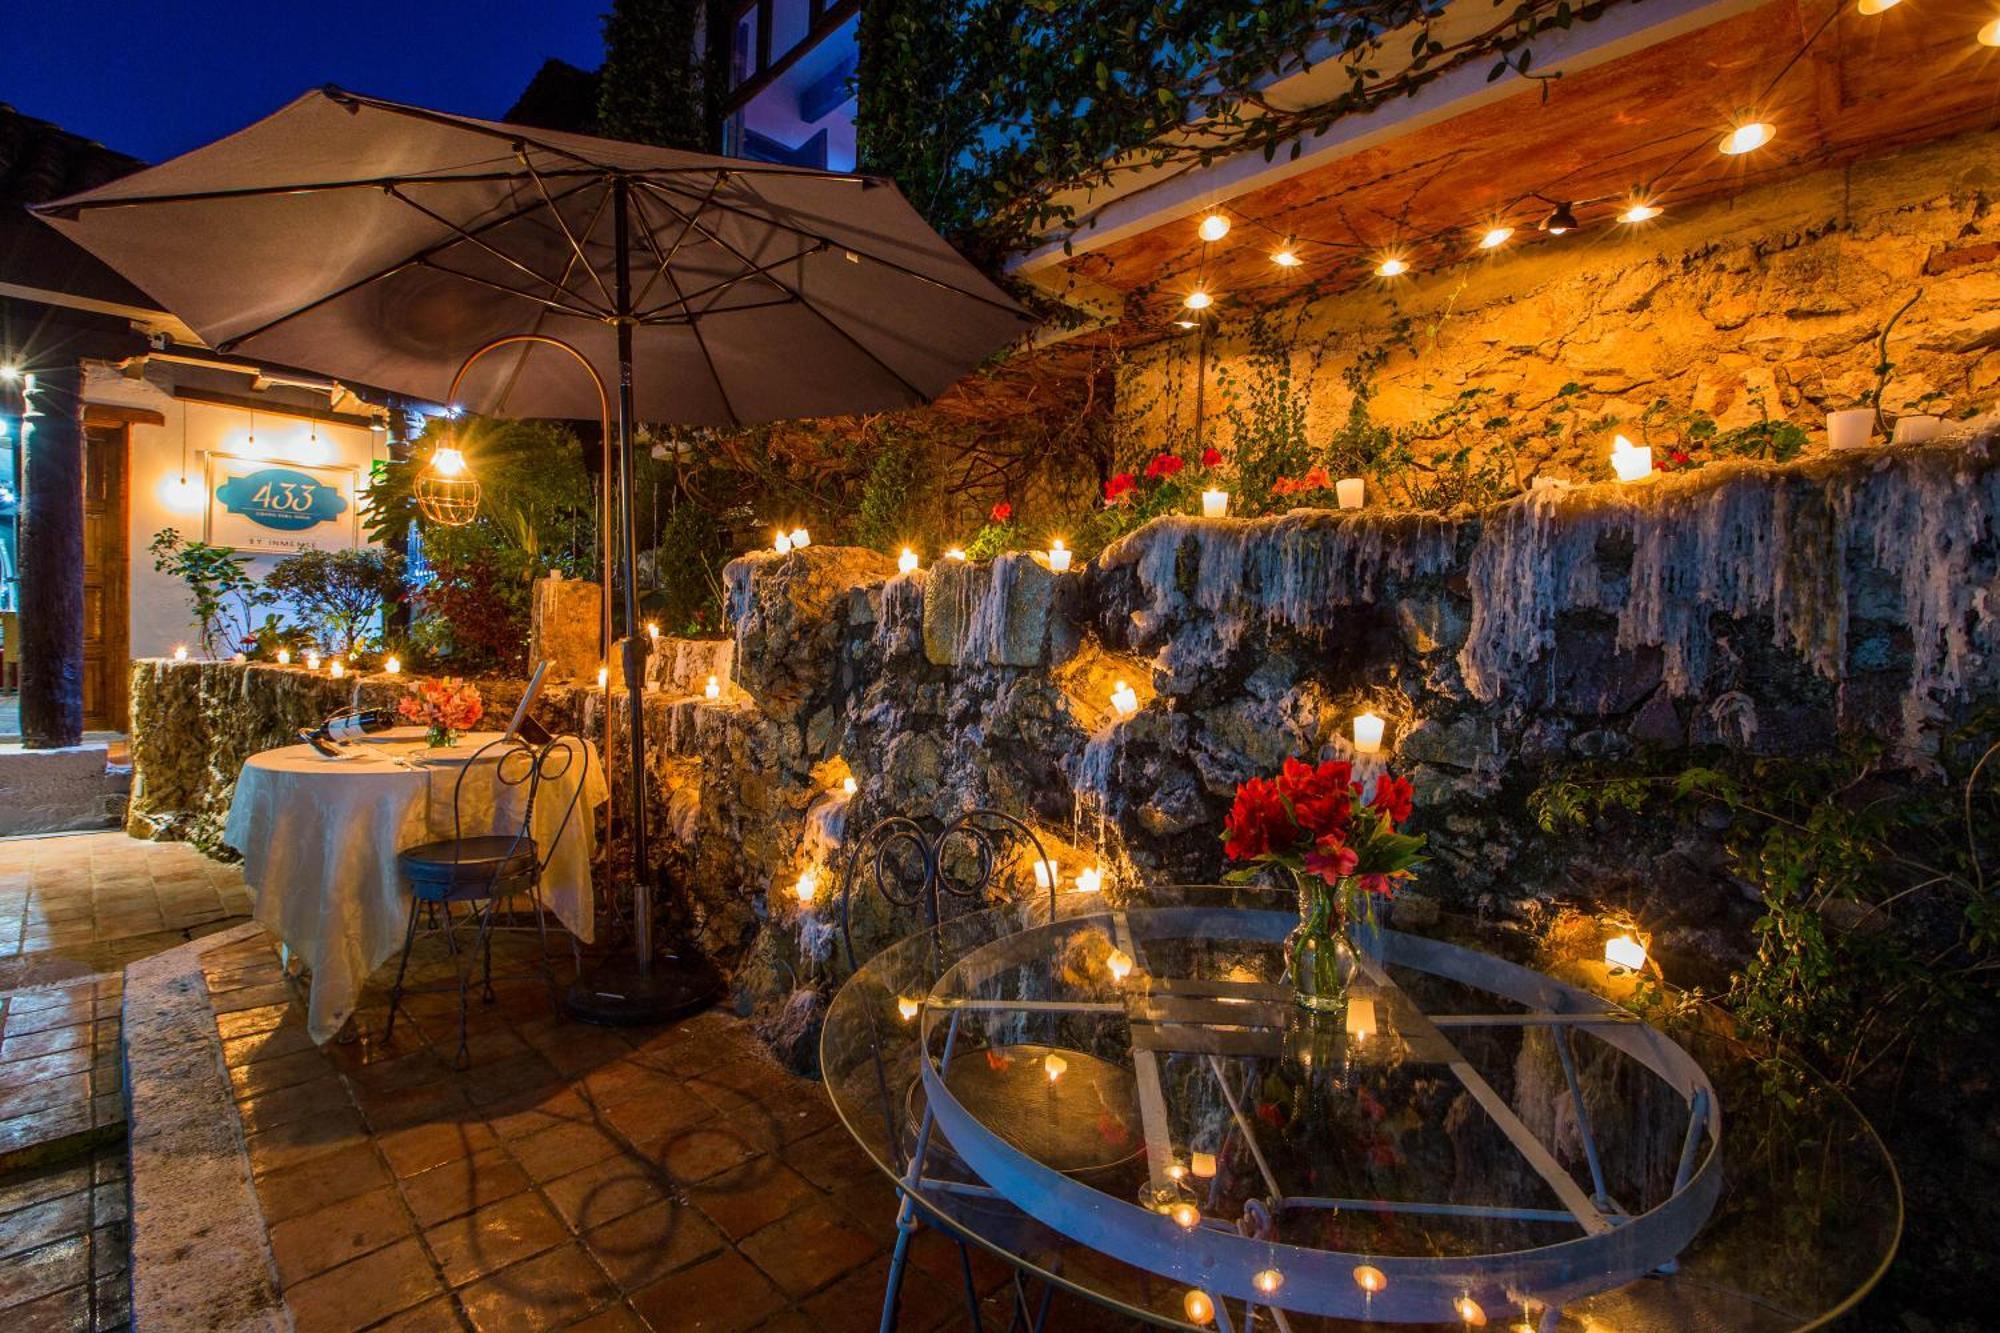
(1123, 1099)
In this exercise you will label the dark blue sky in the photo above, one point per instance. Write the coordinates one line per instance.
(157, 78)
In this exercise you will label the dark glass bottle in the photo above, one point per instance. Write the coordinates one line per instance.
(350, 724)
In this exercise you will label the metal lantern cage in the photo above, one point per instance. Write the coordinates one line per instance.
(447, 498)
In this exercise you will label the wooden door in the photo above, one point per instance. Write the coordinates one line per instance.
(106, 572)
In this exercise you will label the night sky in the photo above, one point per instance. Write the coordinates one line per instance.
(156, 79)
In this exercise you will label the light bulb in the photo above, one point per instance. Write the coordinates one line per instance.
(1495, 237)
(1053, 1065)
(1368, 730)
(1872, 7)
(1268, 1281)
(801, 539)
(1214, 227)
(1370, 1278)
(1639, 213)
(1119, 964)
(1198, 1307)
(713, 689)
(448, 463)
(1391, 267)
(393, 665)
(808, 886)
(907, 1007)
(907, 562)
(1198, 300)
(1755, 134)
(850, 786)
(1186, 1216)
(1090, 879)
(1625, 953)
(1286, 259)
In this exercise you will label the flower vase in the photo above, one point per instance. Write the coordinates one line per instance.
(1317, 952)
(440, 737)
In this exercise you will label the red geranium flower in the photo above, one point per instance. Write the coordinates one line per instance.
(1163, 465)
(1322, 797)
(1001, 512)
(1332, 859)
(1118, 488)
(1258, 821)
(1394, 797)
(1211, 457)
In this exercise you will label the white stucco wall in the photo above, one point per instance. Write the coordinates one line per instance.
(160, 617)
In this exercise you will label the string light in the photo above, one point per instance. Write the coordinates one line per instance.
(1495, 237)
(1197, 300)
(1287, 258)
(1561, 219)
(1640, 212)
(1873, 7)
(1391, 267)
(1748, 137)
(1990, 34)
(1214, 227)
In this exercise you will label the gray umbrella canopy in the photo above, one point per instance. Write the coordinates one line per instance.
(381, 243)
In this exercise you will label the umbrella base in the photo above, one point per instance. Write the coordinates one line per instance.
(617, 992)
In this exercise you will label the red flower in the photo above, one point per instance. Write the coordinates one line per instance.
(1332, 859)
(1394, 797)
(1118, 488)
(1258, 822)
(1271, 1114)
(1211, 457)
(1382, 886)
(1001, 512)
(1163, 465)
(1322, 798)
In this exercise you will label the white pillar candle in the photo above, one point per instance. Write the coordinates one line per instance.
(1349, 491)
(1214, 504)
(1058, 556)
(801, 539)
(1047, 873)
(782, 543)
(1631, 462)
(1368, 730)
(1917, 429)
(1119, 964)
(603, 676)
(1850, 429)
(1624, 952)
(337, 670)
(312, 661)
(180, 652)
(713, 689)
(850, 786)
(394, 666)
(1090, 879)
(807, 887)
(907, 562)
(1124, 699)
(284, 657)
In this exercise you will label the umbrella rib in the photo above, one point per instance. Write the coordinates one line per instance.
(674, 249)
(576, 248)
(770, 220)
(657, 319)
(419, 257)
(816, 312)
(595, 316)
(666, 271)
(61, 208)
(723, 285)
(463, 235)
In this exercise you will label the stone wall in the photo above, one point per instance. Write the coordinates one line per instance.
(1776, 294)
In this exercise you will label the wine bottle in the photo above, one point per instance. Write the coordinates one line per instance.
(348, 725)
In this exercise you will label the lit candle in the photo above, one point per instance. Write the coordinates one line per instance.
(1630, 462)
(954, 554)
(907, 562)
(393, 665)
(1047, 873)
(807, 887)
(782, 544)
(1198, 1307)
(1622, 953)
(1186, 1216)
(312, 661)
(1176, 1172)
(653, 631)
(1124, 700)
(238, 658)
(1471, 1311)
(907, 1007)
(284, 657)
(1119, 964)
(1090, 879)
(1058, 556)
(180, 652)
(1368, 734)
(337, 670)
(713, 689)
(850, 786)
(1349, 491)
(1053, 1065)
(1214, 504)
(801, 539)
(1360, 1017)
(1268, 1281)
(1370, 1278)
(603, 676)
(1202, 1164)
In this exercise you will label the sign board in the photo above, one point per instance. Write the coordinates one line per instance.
(258, 504)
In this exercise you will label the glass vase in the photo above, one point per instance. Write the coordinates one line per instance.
(1317, 952)
(439, 737)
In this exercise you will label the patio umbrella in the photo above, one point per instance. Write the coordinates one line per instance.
(389, 245)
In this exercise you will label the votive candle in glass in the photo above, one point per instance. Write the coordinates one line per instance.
(1214, 504)
(1058, 556)
(1368, 729)
(1629, 461)
(1349, 491)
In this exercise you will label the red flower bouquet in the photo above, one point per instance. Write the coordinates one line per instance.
(1341, 851)
(1163, 465)
(445, 708)
(1118, 488)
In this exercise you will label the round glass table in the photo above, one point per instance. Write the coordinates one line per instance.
(1122, 1101)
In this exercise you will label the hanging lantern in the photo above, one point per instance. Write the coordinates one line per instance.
(447, 492)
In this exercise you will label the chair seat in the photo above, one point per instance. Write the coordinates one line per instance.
(467, 867)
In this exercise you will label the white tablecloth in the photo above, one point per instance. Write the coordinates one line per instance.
(319, 839)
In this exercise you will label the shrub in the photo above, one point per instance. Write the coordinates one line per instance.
(336, 593)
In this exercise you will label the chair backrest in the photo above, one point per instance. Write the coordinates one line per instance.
(516, 765)
(892, 844)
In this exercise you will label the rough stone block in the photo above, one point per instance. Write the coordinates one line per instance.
(989, 614)
(563, 625)
(53, 791)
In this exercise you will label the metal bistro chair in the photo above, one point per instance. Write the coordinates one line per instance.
(482, 872)
(907, 865)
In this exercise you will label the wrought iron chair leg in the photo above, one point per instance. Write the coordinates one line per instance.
(486, 949)
(906, 1225)
(971, 1288)
(402, 966)
(463, 969)
(542, 929)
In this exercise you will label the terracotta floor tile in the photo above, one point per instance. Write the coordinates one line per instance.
(559, 1151)
(543, 1109)
(418, 1148)
(282, 1071)
(48, 1041)
(335, 1127)
(854, 1304)
(32, 1187)
(444, 1192)
(433, 1316)
(313, 1242)
(285, 1039)
(495, 1236)
(548, 1291)
(605, 1191)
(830, 1158)
(812, 1247)
(363, 1291)
(753, 1196)
(719, 1295)
(643, 1247)
(613, 1319)
(695, 1154)
(324, 1180)
(269, 1110)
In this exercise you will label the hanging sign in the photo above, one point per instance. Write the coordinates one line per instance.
(259, 505)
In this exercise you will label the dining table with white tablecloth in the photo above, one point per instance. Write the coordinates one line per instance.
(319, 838)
